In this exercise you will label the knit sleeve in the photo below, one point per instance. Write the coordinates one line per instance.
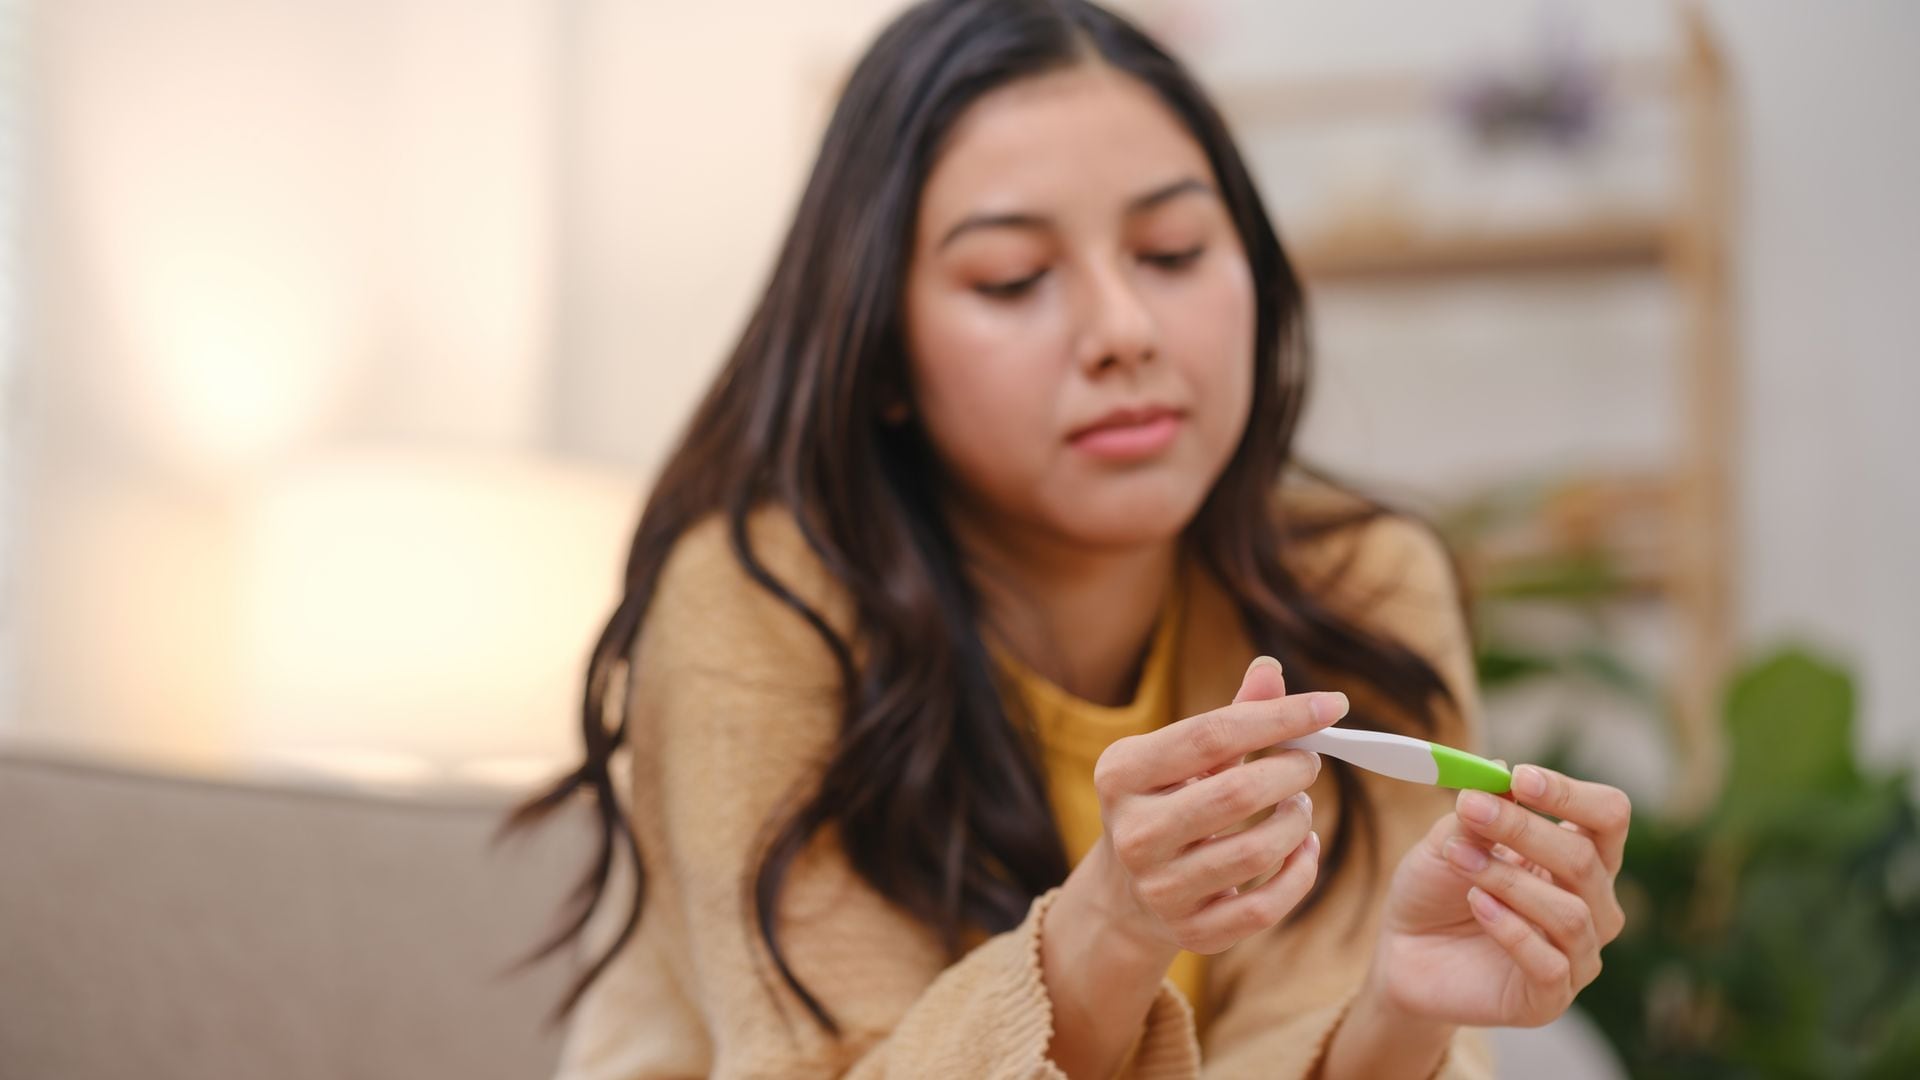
(1283, 993)
(734, 708)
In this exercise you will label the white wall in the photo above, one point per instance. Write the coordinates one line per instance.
(1829, 263)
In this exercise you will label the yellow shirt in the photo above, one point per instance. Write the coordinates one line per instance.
(1073, 731)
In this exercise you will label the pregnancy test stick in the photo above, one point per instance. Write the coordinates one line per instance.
(1405, 758)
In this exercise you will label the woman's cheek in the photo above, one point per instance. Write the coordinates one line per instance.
(1233, 331)
(986, 419)
(1220, 345)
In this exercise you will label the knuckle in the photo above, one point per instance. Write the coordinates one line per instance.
(1309, 873)
(1616, 811)
(1557, 968)
(1498, 877)
(1212, 735)
(1616, 918)
(1234, 793)
(1207, 944)
(1281, 844)
(1259, 913)
(1589, 871)
(1276, 900)
(1510, 823)
(1153, 891)
(1130, 844)
(1559, 792)
(1248, 860)
(1111, 767)
(1574, 923)
(1303, 767)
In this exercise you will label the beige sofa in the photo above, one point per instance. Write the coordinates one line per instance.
(157, 927)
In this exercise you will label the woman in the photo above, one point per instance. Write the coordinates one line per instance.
(952, 646)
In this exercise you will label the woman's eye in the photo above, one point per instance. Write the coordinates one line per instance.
(1173, 260)
(1003, 290)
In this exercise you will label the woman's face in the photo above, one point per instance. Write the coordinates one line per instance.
(1079, 312)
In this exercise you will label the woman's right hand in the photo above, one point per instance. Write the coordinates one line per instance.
(1166, 794)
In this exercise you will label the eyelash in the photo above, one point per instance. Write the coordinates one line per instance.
(1007, 290)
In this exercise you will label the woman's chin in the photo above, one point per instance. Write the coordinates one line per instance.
(1133, 519)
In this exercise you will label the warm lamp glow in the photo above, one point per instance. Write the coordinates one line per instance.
(241, 363)
(426, 604)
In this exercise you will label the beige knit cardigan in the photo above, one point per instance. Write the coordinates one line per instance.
(735, 705)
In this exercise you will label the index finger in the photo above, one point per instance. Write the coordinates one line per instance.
(1198, 743)
(1604, 811)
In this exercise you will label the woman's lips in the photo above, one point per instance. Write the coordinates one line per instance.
(1131, 441)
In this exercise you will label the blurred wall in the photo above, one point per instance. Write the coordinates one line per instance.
(511, 226)
(267, 238)
(1825, 253)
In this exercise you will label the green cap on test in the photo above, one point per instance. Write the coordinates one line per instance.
(1459, 769)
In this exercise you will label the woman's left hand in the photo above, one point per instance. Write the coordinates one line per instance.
(1497, 918)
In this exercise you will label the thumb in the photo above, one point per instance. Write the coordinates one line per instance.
(1262, 681)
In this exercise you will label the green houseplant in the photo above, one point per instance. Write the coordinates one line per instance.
(1778, 932)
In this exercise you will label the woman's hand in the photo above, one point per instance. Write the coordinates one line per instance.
(1166, 794)
(1497, 918)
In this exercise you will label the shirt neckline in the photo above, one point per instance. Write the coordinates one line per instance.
(1066, 721)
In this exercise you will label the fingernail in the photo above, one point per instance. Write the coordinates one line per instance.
(1466, 856)
(1487, 906)
(1313, 843)
(1306, 803)
(1267, 661)
(1478, 806)
(1530, 781)
(1329, 706)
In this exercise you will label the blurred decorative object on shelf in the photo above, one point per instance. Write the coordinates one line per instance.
(1557, 99)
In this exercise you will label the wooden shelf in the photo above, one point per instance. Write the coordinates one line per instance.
(1689, 561)
(1597, 244)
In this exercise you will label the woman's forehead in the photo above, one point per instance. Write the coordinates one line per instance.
(1089, 138)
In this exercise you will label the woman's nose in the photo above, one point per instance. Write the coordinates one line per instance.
(1118, 328)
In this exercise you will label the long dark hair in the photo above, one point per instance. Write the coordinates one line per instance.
(933, 785)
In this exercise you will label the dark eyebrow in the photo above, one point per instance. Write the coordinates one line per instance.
(1190, 185)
